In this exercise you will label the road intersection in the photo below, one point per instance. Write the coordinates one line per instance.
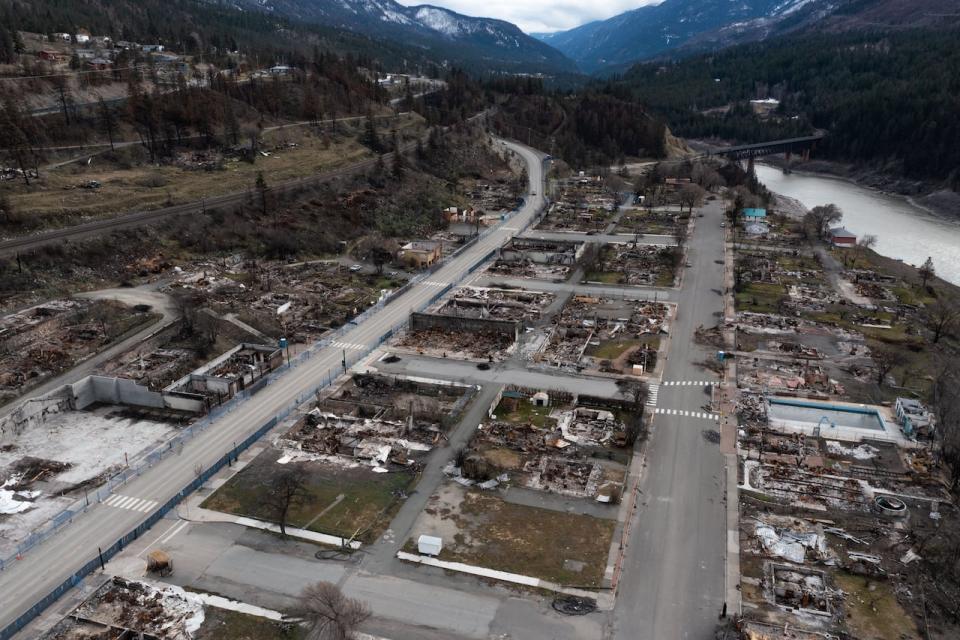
(671, 579)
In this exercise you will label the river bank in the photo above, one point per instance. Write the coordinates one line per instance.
(935, 199)
(904, 230)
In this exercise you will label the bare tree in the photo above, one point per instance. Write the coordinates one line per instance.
(287, 490)
(927, 271)
(635, 391)
(946, 407)
(262, 189)
(884, 359)
(329, 614)
(865, 243)
(108, 120)
(942, 317)
(692, 195)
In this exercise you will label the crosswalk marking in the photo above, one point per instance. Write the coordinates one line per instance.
(349, 345)
(431, 283)
(701, 415)
(687, 383)
(652, 396)
(130, 503)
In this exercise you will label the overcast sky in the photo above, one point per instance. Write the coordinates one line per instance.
(539, 15)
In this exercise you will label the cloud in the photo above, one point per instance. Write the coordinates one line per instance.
(532, 16)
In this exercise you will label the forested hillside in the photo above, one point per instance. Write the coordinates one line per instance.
(191, 27)
(596, 126)
(890, 100)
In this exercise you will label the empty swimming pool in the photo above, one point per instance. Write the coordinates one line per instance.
(824, 414)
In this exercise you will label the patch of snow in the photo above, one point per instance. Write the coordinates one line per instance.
(9, 504)
(862, 452)
(440, 20)
(220, 602)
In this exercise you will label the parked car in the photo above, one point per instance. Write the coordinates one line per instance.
(354, 268)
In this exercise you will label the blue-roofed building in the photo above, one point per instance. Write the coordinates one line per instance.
(755, 215)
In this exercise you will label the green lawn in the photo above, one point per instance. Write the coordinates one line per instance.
(613, 349)
(761, 297)
(522, 411)
(605, 277)
(368, 502)
(665, 278)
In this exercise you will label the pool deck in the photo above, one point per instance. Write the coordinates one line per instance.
(891, 431)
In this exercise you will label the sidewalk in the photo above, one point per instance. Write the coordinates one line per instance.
(604, 600)
(195, 513)
(728, 438)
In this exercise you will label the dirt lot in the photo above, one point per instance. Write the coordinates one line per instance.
(482, 529)
(342, 501)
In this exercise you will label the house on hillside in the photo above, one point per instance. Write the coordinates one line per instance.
(764, 107)
(840, 237)
(755, 215)
(49, 54)
(151, 48)
(63, 37)
(81, 38)
(280, 70)
(421, 254)
(100, 64)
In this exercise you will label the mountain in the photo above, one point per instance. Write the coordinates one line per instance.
(493, 45)
(691, 26)
(656, 29)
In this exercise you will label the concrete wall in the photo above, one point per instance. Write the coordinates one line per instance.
(114, 391)
(88, 391)
(198, 379)
(421, 321)
(542, 251)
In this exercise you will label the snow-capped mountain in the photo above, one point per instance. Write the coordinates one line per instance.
(494, 44)
(654, 30)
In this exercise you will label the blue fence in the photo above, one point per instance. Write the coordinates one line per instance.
(174, 445)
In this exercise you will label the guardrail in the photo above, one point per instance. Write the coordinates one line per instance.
(176, 444)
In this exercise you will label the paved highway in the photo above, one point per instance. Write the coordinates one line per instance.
(51, 562)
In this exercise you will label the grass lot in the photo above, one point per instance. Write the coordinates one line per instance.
(605, 277)
(368, 503)
(640, 221)
(523, 411)
(221, 624)
(55, 199)
(499, 535)
(665, 277)
(613, 349)
(761, 297)
(801, 263)
(873, 612)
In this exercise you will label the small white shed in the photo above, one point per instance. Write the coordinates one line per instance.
(429, 545)
(540, 399)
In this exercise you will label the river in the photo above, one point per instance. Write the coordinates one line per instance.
(903, 230)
